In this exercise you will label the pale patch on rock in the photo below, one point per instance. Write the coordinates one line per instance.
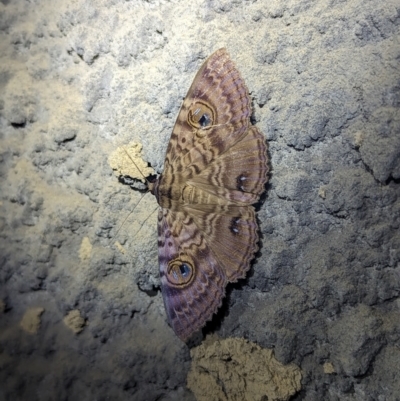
(236, 369)
(74, 321)
(31, 320)
(328, 368)
(127, 161)
(322, 192)
(85, 250)
(358, 139)
(120, 247)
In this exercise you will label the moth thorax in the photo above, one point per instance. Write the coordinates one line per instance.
(201, 115)
(180, 271)
(188, 194)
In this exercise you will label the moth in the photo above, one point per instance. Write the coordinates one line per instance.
(215, 169)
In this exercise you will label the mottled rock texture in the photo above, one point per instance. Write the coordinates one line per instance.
(238, 370)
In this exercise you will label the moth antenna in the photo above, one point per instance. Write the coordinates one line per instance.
(127, 217)
(137, 167)
(151, 214)
(137, 232)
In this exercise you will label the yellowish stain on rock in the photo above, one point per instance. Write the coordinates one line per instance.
(358, 139)
(322, 192)
(85, 250)
(120, 247)
(235, 369)
(31, 320)
(127, 160)
(328, 368)
(74, 321)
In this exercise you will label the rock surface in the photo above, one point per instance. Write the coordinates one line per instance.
(235, 369)
(78, 80)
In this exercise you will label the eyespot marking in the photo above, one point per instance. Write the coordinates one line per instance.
(240, 180)
(180, 271)
(234, 227)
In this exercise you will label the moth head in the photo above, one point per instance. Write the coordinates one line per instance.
(153, 187)
(180, 271)
(201, 115)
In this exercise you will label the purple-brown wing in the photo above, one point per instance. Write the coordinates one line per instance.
(214, 116)
(192, 281)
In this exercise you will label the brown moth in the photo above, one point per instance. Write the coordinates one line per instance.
(215, 169)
